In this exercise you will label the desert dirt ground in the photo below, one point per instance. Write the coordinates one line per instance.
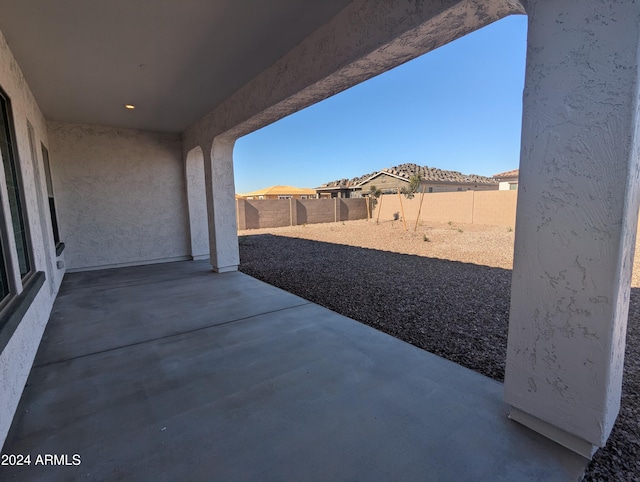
(468, 243)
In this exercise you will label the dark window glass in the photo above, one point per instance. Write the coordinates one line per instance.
(4, 283)
(9, 160)
(52, 202)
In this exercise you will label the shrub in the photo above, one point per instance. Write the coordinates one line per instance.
(414, 185)
(374, 194)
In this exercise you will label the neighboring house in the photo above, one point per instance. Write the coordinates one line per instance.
(342, 188)
(281, 192)
(389, 180)
(508, 180)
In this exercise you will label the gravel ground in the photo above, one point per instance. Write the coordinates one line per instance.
(444, 288)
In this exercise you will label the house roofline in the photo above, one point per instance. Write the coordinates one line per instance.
(379, 173)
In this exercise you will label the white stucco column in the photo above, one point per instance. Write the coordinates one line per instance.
(576, 219)
(221, 206)
(197, 204)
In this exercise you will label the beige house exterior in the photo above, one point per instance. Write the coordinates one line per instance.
(508, 181)
(280, 192)
(389, 183)
(389, 180)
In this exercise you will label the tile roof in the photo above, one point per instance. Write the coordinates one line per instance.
(349, 182)
(507, 174)
(407, 170)
(280, 191)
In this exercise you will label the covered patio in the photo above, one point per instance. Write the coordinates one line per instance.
(117, 128)
(170, 372)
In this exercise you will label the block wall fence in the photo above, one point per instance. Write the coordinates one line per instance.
(267, 213)
(497, 208)
(472, 207)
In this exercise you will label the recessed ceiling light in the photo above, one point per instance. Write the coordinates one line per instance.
(129, 106)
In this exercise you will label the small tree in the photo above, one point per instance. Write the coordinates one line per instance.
(374, 194)
(412, 188)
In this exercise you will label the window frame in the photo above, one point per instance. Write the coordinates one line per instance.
(21, 289)
(6, 264)
(51, 200)
(16, 168)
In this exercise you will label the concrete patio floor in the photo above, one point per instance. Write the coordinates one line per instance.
(172, 372)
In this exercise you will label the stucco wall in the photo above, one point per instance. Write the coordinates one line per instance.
(578, 204)
(122, 195)
(197, 202)
(16, 357)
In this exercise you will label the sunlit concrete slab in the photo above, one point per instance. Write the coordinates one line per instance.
(221, 390)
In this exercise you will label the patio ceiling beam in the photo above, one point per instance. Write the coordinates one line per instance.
(363, 40)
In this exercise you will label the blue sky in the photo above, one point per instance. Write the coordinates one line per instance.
(457, 108)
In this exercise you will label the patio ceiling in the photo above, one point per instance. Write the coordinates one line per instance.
(175, 60)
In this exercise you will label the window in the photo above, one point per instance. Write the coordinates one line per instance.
(14, 187)
(4, 282)
(430, 189)
(513, 187)
(52, 202)
(284, 197)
